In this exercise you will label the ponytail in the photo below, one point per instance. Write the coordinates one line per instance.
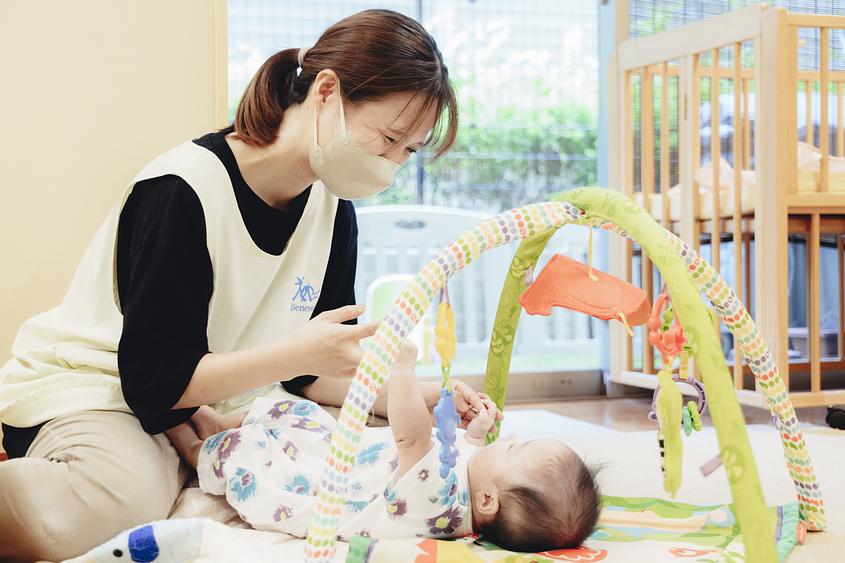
(265, 100)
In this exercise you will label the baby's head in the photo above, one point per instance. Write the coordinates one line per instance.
(532, 496)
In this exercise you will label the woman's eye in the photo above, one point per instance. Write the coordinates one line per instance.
(390, 140)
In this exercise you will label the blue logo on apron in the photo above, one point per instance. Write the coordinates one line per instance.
(305, 296)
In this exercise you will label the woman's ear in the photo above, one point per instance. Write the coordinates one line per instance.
(326, 84)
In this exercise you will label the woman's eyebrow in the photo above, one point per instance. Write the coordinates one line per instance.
(393, 131)
(399, 134)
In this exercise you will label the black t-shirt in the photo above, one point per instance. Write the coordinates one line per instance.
(165, 282)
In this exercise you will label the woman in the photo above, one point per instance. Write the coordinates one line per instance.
(228, 267)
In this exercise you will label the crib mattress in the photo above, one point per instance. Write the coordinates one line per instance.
(807, 183)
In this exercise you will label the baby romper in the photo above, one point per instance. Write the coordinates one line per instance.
(269, 470)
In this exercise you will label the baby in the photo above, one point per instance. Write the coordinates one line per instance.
(523, 496)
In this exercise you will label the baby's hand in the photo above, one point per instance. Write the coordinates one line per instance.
(469, 403)
(407, 360)
(484, 421)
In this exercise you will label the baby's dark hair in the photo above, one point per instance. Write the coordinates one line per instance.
(538, 517)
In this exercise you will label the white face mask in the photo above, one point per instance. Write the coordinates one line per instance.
(346, 168)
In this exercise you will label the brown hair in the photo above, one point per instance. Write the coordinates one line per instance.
(558, 511)
(374, 53)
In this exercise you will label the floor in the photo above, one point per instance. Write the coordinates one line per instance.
(631, 414)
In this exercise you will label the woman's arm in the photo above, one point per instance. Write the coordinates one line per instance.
(323, 347)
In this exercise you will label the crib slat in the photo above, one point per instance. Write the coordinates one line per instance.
(840, 257)
(664, 144)
(715, 156)
(628, 183)
(746, 153)
(809, 128)
(813, 313)
(647, 137)
(823, 98)
(737, 223)
(840, 121)
(695, 139)
(647, 187)
(748, 264)
(792, 137)
(628, 177)
(629, 275)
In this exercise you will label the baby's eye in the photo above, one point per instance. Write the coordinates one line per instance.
(411, 151)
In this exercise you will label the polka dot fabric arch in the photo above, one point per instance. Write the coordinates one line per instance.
(686, 275)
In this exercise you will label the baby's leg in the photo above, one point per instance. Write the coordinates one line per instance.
(252, 468)
(184, 438)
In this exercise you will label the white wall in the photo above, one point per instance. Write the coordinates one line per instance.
(90, 90)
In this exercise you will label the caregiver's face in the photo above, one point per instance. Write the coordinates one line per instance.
(386, 127)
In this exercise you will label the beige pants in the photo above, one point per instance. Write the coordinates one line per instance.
(86, 477)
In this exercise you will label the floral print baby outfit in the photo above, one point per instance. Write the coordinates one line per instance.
(269, 470)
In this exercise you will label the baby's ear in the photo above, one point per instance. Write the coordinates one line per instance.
(487, 503)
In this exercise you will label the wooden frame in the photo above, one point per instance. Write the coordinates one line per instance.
(713, 49)
(221, 64)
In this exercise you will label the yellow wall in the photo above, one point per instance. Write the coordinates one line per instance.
(90, 90)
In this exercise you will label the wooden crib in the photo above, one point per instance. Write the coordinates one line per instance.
(729, 86)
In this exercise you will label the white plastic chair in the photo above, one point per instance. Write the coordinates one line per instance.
(399, 239)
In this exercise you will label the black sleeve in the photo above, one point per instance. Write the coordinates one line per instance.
(339, 282)
(164, 279)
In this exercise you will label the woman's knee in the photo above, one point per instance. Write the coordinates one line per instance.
(60, 509)
(40, 516)
(79, 527)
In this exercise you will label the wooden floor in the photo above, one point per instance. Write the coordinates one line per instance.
(631, 414)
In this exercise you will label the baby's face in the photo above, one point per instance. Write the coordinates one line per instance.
(511, 460)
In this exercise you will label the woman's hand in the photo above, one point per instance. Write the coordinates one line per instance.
(326, 347)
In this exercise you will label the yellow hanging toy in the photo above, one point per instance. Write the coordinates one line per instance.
(445, 413)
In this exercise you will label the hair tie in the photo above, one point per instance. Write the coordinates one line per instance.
(301, 56)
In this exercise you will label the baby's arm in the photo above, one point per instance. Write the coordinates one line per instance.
(407, 411)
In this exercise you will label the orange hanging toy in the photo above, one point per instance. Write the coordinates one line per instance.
(567, 283)
(664, 330)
